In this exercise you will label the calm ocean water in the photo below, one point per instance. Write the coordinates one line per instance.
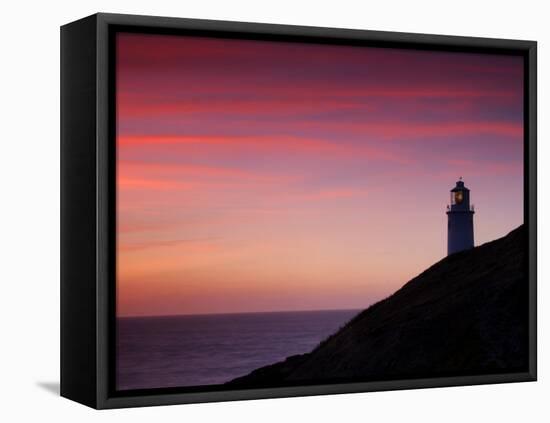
(158, 352)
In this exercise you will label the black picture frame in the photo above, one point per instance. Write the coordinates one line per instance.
(88, 200)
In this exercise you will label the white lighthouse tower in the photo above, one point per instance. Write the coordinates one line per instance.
(460, 229)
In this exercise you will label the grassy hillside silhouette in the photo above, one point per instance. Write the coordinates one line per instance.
(465, 315)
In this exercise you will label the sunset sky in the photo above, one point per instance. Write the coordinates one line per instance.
(263, 176)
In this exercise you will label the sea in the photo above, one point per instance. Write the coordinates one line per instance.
(198, 350)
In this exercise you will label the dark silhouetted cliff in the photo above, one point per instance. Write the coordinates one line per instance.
(465, 315)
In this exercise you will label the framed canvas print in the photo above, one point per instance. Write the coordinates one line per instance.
(256, 211)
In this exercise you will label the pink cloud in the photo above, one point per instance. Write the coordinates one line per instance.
(203, 245)
(181, 144)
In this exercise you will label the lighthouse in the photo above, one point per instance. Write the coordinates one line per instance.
(460, 226)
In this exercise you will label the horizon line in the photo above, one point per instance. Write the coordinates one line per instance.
(137, 316)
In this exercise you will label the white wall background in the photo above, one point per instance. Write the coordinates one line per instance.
(29, 238)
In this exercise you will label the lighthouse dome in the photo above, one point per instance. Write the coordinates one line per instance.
(459, 186)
